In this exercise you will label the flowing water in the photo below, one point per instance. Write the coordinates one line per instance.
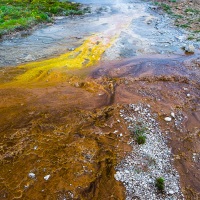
(61, 131)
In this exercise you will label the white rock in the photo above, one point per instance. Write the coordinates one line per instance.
(118, 176)
(120, 134)
(35, 148)
(137, 109)
(168, 119)
(173, 114)
(171, 192)
(47, 177)
(31, 175)
(190, 48)
(188, 95)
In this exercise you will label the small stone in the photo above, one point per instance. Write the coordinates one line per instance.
(118, 176)
(173, 114)
(29, 58)
(137, 109)
(168, 119)
(171, 192)
(120, 134)
(188, 95)
(47, 177)
(31, 175)
(71, 49)
(35, 148)
(26, 186)
(189, 48)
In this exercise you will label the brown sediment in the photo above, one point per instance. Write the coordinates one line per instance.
(73, 140)
(165, 83)
(71, 129)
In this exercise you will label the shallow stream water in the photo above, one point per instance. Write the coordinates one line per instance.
(62, 88)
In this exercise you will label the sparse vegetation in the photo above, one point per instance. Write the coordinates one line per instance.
(186, 14)
(141, 139)
(139, 134)
(160, 184)
(21, 14)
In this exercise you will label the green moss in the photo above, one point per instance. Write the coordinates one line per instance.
(22, 14)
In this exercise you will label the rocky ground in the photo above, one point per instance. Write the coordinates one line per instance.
(148, 161)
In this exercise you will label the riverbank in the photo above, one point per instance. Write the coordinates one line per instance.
(22, 15)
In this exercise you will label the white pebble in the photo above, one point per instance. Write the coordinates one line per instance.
(168, 119)
(35, 148)
(173, 114)
(188, 95)
(137, 109)
(171, 192)
(118, 176)
(31, 175)
(47, 177)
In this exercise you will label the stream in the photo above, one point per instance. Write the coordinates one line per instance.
(73, 94)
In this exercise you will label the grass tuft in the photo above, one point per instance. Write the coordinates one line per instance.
(160, 184)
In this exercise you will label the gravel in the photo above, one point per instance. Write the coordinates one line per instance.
(140, 168)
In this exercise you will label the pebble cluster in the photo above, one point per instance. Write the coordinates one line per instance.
(147, 162)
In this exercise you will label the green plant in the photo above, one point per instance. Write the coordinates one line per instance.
(139, 134)
(166, 8)
(191, 37)
(192, 10)
(160, 184)
(185, 26)
(141, 139)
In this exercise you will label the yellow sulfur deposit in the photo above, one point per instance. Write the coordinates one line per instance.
(54, 69)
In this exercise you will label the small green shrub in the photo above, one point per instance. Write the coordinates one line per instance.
(160, 184)
(141, 139)
(139, 134)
